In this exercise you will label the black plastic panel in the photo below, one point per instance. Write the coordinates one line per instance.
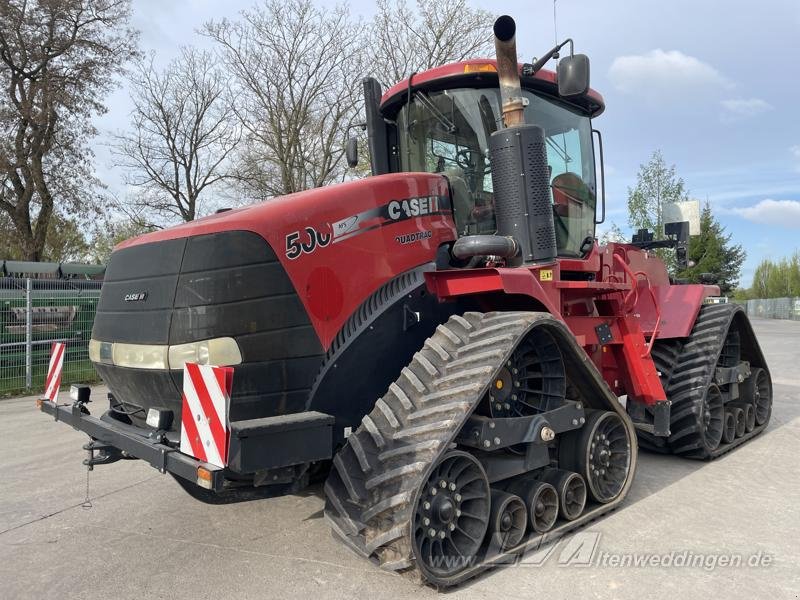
(268, 313)
(145, 261)
(225, 249)
(148, 272)
(227, 284)
(232, 284)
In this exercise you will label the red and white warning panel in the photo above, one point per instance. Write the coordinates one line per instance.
(205, 429)
(53, 381)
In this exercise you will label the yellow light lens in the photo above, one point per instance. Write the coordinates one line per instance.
(480, 68)
(221, 352)
(140, 356)
(100, 352)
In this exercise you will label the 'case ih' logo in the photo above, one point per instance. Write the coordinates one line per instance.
(136, 297)
(413, 207)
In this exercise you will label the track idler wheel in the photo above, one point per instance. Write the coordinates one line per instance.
(729, 427)
(452, 513)
(541, 498)
(757, 389)
(601, 452)
(571, 490)
(508, 520)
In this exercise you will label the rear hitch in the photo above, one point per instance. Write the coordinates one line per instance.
(99, 453)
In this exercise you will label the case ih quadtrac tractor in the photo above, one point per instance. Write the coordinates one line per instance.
(445, 343)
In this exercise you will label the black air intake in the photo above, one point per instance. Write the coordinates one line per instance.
(521, 186)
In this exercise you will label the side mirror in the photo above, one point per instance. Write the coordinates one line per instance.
(573, 75)
(351, 151)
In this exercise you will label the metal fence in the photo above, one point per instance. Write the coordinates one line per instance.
(34, 313)
(774, 308)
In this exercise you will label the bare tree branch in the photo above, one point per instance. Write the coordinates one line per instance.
(296, 70)
(183, 134)
(57, 61)
(405, 41)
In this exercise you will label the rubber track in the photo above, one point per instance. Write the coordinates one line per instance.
(664, 355)
(692, 373)
(371, 489)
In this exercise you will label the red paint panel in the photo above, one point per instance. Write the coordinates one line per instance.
(344, 239)
(457, 69)
(679, 306)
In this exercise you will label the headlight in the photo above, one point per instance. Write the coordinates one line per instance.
(220, 352)
(140, 356)
(100, 352)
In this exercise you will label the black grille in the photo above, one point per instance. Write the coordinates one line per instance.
(522, 191)
(227, 284)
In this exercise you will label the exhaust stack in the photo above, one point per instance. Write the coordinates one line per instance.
(505, 46)
(520, 175)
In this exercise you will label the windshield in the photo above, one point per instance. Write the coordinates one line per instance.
(448, 132)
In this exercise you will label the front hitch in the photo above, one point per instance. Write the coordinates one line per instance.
(99, 453)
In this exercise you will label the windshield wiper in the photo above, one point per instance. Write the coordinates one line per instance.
(562, 152)
(448, 125)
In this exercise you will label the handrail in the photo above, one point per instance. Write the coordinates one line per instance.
(634, 293)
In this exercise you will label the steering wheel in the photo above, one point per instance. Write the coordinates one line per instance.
(464, 159)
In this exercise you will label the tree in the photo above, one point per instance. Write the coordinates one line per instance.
(613, 234)
(777, 279)
(295, 69)
(713, 252)
(57, 60)
(182, 135)
(404, 41)
(64, 242)
(110, 233)
(656, 186)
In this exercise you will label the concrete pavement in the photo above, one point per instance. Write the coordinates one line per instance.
(144, 537)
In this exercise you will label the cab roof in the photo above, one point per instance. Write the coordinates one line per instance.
(483, 73)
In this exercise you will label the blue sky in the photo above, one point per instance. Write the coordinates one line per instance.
(713, 84)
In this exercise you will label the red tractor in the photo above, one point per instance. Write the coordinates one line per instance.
(444, 343)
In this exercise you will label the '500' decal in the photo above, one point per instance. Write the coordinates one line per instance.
(295, 246)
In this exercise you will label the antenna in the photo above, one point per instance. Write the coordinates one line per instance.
(555, 23)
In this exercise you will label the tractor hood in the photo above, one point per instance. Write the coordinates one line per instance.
(390, 224)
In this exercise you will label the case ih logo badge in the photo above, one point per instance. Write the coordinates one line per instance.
(136, 297)
(413, 207)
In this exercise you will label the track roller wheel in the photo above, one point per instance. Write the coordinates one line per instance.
(749, 414)
(571, 490)
(729, 427)
(757, 389)
(508, 520)
(601, 452)
(452, 513)
(541, 499)
(738, 414)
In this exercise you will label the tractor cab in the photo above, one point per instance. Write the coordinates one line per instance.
(441, 121)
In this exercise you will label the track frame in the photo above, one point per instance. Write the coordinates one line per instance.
(369, 500)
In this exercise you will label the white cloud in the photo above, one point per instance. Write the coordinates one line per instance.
(742, 108)
(783, 213)
(658, 74)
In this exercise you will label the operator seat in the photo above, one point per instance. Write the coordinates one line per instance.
(463, 201)
(570, 197)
